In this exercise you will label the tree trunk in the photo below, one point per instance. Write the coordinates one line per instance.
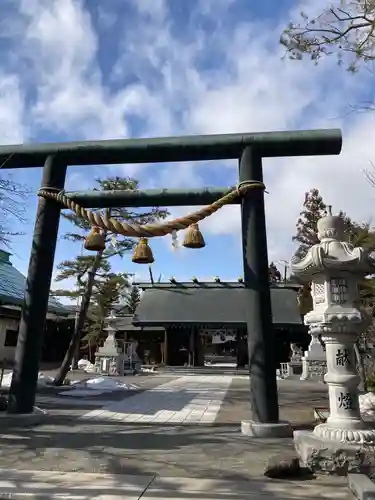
(80, 323)
(76, 356)
(361, 367)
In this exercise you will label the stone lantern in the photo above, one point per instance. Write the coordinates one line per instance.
(335, 268)
(109, 359)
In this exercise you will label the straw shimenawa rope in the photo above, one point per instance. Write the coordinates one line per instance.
(98, 219)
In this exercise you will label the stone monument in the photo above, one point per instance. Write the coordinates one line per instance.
(335, 269)
(295, 363)
(314, 365)
(314, 360)
(109, 359)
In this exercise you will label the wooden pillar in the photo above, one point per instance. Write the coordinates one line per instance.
(192, 347)
(198, 348)
(165, 348)
(238, 348)
(241, 348)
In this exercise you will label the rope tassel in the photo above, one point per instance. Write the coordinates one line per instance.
(142, 253)
(194, 238)
(95, 240)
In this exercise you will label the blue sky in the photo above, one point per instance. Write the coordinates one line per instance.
(85, 70)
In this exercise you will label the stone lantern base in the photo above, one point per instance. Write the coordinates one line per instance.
(335, 457)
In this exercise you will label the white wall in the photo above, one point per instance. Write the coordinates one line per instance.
(7, 324)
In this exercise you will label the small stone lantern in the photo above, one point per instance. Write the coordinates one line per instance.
(335, 268)
(109, 359)
(314, 360)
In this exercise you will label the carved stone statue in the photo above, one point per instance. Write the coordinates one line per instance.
(296, 353)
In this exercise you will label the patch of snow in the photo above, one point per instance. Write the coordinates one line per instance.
(97, 386)
(86, 366)
(220, 365)
(108, 384)
(81, 393)
(90, 368)
(367, 405)
(82, 363)
(148, 370)
(43, 380)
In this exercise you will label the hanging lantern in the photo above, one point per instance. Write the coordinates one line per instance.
(95, 240)
(142, 253)
(193, 237)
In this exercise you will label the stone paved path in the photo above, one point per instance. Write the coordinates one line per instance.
(50, 398)
(66, 442)
(43, 485)
(185, 400)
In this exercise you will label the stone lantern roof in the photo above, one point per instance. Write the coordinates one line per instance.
(333, 253)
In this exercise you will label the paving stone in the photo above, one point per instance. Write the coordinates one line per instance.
(181, 488)
(67, 443)
(361, 486)
(189, 398)
(51, 485)
(70, 486)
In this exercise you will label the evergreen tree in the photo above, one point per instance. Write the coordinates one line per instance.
(274, 274)
(89, 269)
(133, 298)
(313, 209)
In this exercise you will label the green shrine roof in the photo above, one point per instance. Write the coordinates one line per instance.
(210, 304)
(12, 286)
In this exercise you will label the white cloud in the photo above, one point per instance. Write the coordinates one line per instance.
(59, 50)
(261, 92)
(12, 125)
(161, 79)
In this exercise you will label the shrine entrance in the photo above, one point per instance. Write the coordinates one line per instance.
(248, 149)
(219, 346)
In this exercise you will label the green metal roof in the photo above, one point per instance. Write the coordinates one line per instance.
(210, 304)
(12, 286)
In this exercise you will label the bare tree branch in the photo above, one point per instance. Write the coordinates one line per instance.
(346, 29)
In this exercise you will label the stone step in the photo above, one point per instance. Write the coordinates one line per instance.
(203, 370)
(43, 485)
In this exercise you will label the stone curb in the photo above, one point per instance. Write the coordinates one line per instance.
(259, 430)
(22, 420)
(361, 486)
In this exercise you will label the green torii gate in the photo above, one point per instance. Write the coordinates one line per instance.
(249, 149)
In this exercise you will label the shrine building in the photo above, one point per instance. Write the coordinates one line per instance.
(198, 323)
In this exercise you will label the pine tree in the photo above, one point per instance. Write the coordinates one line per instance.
(307, 232)
(274, 274)
(343, 29)
(88, 269)
(133, 298)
